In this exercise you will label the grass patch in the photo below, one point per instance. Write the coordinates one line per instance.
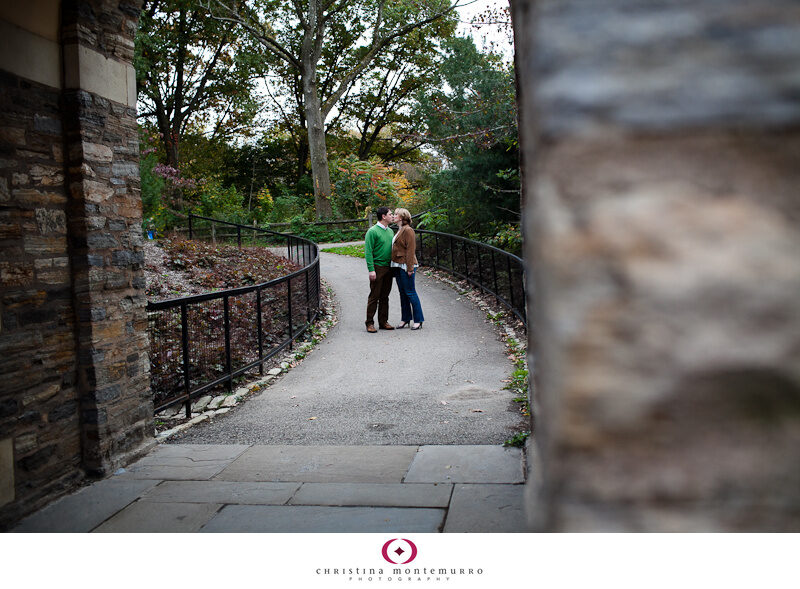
(518, 440)
(356, 251)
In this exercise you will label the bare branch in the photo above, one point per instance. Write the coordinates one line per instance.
(458, 136)
(257, 30)
(379, 42)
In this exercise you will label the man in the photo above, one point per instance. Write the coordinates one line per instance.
(378, 253)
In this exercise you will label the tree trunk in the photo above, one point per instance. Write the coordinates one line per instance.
(302, 154)
(317, 148)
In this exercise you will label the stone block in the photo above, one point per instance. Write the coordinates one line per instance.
(322, 464)
(86, 509)
(97, 152)
(96, 192)
(222, 492)
(486, 508)
(216, 402)
(25, 443)
(466, 464)
(152, 517)
(201, 403)
(48, 125)
(374, 494)
(51, 221)
(297, 519)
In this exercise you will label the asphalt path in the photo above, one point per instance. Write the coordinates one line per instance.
(442, 384)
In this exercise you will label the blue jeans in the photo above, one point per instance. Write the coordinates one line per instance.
(409, 301)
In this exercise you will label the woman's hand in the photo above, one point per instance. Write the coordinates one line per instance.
(410, 273)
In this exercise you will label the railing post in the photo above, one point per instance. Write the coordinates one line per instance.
(494, 277)
(478, 249)
(260, 333)
(466, 260)
(227, 321)
(213, 233)
(191, 235)
(239, 236)
(436, 237)
(289, 304)
(308, 298)
(452, 256)
(510, 285)
(185, 350)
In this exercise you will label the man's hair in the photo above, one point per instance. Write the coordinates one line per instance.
(381, 211)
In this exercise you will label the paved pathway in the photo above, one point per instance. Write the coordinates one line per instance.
(406, 439)
(442, 384)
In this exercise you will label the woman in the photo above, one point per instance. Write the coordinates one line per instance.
(404, 262)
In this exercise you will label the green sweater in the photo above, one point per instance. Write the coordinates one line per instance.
(378, 247)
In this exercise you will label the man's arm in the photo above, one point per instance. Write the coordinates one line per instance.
(368, 245)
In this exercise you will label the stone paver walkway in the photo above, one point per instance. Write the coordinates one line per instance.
(239, 488)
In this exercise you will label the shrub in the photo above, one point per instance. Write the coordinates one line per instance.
(358, 184)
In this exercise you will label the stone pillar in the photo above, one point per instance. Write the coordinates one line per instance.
(662, 148)
(105, 214)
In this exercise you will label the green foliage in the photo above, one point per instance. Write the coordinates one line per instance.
(358, 184)
(193, 72)
(219, 202)
(356, 251)
(506, 236)
(517, 440)
(326, 233)
(152, 187)
(471, 121)
(436, 220)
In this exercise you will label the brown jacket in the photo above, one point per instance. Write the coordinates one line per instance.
(405, 244)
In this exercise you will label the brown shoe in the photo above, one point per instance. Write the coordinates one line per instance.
(387, 326)
(371, 329)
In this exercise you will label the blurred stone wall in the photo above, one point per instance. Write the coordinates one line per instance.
(75, 398)
(661, 146)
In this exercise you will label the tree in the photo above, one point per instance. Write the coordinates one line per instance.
(192, 74)
(471, 121)
(350, 34)
(380, 109)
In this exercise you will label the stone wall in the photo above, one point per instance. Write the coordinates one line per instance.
(662, 148)
(73, 339)
(39, 397)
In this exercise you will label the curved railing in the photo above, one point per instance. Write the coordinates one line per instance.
(491, 269)
(202, 342)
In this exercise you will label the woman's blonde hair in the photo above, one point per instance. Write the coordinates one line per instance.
(404, 215)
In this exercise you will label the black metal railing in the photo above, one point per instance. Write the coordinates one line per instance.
(203, 342)
(491, 269)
